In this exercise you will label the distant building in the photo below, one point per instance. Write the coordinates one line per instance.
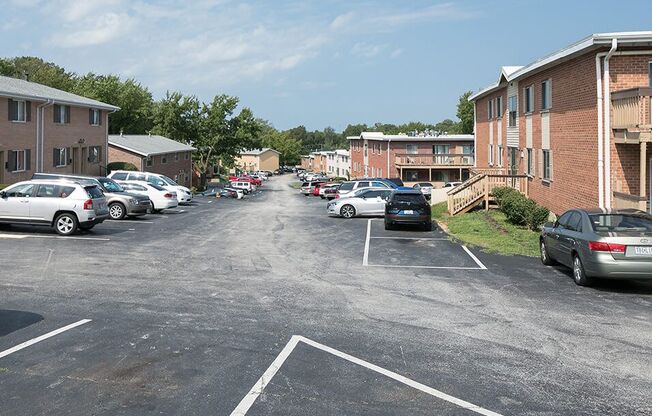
(48, 130)
(152, 153)
(265, 159)
(430, 157)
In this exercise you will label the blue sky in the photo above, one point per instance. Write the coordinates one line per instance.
(316, 63)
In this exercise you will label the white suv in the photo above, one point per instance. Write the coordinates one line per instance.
(184, 195)
(64, 205)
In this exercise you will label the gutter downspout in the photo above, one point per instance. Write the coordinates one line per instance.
(106, 170)
(607, 127)
(475, 139)
(598, 80)
(40, 133)
(389, 145)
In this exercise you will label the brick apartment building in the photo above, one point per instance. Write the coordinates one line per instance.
(152, 153)
(577, 122)
(413, 158)
(48, 130)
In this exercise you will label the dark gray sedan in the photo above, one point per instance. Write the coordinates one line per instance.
(600, 243)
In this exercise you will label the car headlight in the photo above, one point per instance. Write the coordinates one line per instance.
(133, 201)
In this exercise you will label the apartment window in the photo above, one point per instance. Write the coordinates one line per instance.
(500, 155)
(380, 172)
(650, 74)
(439, 176)
(60, 157)
(95, 154)
(490, 108)
(149, 161)
(94, 117)
(187, 156)
(530, 162)
(19, 160)
(546, 95)
(176, 157)
(499, 107)
(164, 159)
(529, 99)
(491, 154)
(411, 149)
(467, 149)
(512, 111)
(547, 165)
(20, 110)
(61, 114)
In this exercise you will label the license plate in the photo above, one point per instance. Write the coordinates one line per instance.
(641, 251)
(408, 212)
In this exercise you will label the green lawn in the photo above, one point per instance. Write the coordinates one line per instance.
(295, 185)
(489, 230)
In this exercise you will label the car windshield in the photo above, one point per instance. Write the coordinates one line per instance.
(155, 186)
(414, 198)
(110, 185)
(346, 186)
(621, 222)
(425, 184)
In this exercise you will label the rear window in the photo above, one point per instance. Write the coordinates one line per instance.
(121, 176)
(346, 186)
(621, 222)
(363, 184)
(136, 176)
(414, 198)
(94, 192)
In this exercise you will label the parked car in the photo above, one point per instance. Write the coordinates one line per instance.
(316, 188)
(246, 186)
(160, 197)
(351, 186)
(121, 203)
(184, 195)
(255, 181)
(451, 184)
(328, 190)
(425, 188)
(407, 207)
(64, 205)
(308, 188)
(368, 201)
(600, 244)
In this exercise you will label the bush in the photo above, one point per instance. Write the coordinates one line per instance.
(538, 217)
(502, 192)
(120, 166)
(520, 210)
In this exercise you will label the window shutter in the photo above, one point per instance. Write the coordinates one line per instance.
(550, 162)
(57, 113)
(28, 111)
(55, 157)
(489, 155)
(11, 164)
(533, 164)
(28, 159)
(541, 164)
(13, 110)
(67, 114)
(90, 116)
(68, 156)
(99, 115)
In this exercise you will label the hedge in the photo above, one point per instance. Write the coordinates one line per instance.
(120, 166)
(519, 209)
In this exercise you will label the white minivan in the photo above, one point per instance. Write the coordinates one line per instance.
(184, 195)
(246, 187)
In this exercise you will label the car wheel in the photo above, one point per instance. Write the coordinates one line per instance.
(117, 211)
(579, 276)
(65, 224)
(388, 226)
(427, 226)
(545, 258)
(86, 227)
(347, 211)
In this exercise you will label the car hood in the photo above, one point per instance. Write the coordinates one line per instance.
(135, 196)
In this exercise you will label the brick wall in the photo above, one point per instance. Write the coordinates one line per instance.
(176, 165)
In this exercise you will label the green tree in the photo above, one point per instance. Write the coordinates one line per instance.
(177, 117)
(447, 126)
(37, 70)
(465, 113)
(135, 101)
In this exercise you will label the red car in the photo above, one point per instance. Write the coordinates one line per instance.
(255, 181)
(315, 188)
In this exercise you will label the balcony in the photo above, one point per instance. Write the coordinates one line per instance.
(631, 119)
(431, 160)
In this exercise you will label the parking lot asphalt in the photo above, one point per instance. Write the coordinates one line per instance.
(266, 306)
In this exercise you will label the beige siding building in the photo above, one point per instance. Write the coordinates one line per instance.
(258, 159)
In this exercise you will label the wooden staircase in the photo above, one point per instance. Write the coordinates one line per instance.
(478, 189)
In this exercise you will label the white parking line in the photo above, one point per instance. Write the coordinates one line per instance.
(246, 403)
(57, 237)
(365, 256)
(475, 259)
(398, 266)
(136, 221)
(43, 337)
(413, 238)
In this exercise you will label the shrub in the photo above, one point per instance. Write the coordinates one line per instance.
(120, 166)
(538, 217)
(517, 208)
(502, 192)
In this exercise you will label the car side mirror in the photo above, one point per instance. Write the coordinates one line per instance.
(548, 224)
(3, 194)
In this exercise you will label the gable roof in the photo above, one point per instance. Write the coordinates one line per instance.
(257, 152)
(19, 88)
(594, 41)
(379, 136)
(147, 145)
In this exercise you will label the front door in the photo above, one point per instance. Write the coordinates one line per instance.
(76, 160)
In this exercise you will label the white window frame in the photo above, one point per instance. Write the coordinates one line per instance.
(500, 155)
(64, 151)
(490, 105)
(499, 107)
(546, 95)
(380, 172)
(491, 154)
(96, 117)
(546, 175)
(21, 111)
(90, 149)
(149, 161)
(408, 146)
(24, 164)
(62, 114)
(528, 99)
(529, 167)
(512, 110)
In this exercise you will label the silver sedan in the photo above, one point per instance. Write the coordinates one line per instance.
(600, 243)
(367, 201)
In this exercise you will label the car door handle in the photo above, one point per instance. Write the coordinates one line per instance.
(25, 201)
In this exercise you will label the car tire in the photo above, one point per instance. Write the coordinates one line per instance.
(579, 275)
(65, 224)
(347, 211)
(117, 211)
(427, 227)
(389, 226)
(86, 227)
(545, 257)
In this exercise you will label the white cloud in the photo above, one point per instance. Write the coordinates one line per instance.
(367, 50)
(105, 28)
(342, 20)
(438, 11)
(72, 10)
(396, 53)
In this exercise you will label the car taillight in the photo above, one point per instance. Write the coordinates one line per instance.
(337, 196)
(88, 204)
(167, 196)
(609, 247)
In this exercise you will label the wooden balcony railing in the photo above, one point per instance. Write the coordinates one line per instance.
(631, 108)
(435, 160)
